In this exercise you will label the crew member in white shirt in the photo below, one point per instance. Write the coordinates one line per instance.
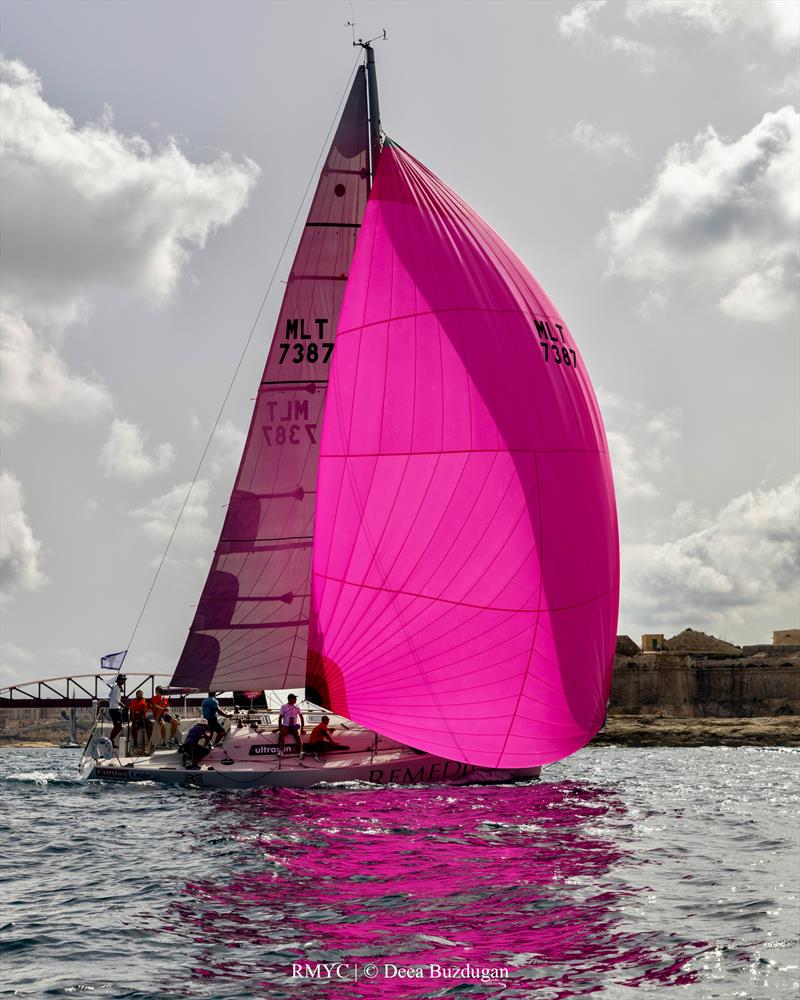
(115, 701)
(291, 721)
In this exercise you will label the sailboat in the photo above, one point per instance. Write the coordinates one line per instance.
(422, 531)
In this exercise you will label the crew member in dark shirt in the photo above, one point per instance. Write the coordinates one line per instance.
(197, 745)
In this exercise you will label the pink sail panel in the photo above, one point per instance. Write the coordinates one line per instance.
(465, 565)
(251, 626)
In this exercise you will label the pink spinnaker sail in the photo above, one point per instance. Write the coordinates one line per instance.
(465, 563)
(251, 624)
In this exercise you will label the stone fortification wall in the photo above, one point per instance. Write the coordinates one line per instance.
(761, 650)
(683, 687)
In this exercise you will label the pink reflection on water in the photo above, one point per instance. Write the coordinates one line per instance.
(526, 878)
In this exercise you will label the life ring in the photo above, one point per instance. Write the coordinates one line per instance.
(102, 747)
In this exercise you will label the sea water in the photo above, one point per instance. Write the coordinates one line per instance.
(672, 871)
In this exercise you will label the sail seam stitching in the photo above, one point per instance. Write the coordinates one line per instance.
(464, 604)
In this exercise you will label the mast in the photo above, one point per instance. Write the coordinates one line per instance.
(373, 109)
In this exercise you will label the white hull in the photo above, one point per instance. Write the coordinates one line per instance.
(419, 769)
(251, 760)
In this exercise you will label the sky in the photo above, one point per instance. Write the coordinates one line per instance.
(640, 157)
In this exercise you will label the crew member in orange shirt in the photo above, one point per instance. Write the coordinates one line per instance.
(160, 705)
(138, 709)
(321, 740)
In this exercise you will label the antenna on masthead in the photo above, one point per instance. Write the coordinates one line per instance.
(351, 24)
(372, 101)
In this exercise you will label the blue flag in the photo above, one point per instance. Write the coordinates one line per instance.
(112, 661)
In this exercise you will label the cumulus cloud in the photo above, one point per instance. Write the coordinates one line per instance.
(227, 449)
(124, 456)
(778, 20)
(14, 663)
(20, 550)
(582, 24)
(158, 518)
(638, 445)
(788, 87)
(580, 19)
(604, 144)
(13, 652)
(631, 479)
(590, 22)
(86, 206)
(743, 557)
(35, 379)
(723, 213)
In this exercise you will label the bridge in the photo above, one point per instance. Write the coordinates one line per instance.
(76, 691)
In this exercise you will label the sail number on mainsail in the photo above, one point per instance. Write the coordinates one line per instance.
(312, 352)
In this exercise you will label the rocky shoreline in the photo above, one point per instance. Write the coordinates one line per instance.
(652, 731)
(662, 731)
(28, 744)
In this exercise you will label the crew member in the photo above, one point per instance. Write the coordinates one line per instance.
(116, 699)
(196, 745)
(138, 709)
(291, 721)
(210, 711)
(173, 720)
(160, 705)
(320, 740)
